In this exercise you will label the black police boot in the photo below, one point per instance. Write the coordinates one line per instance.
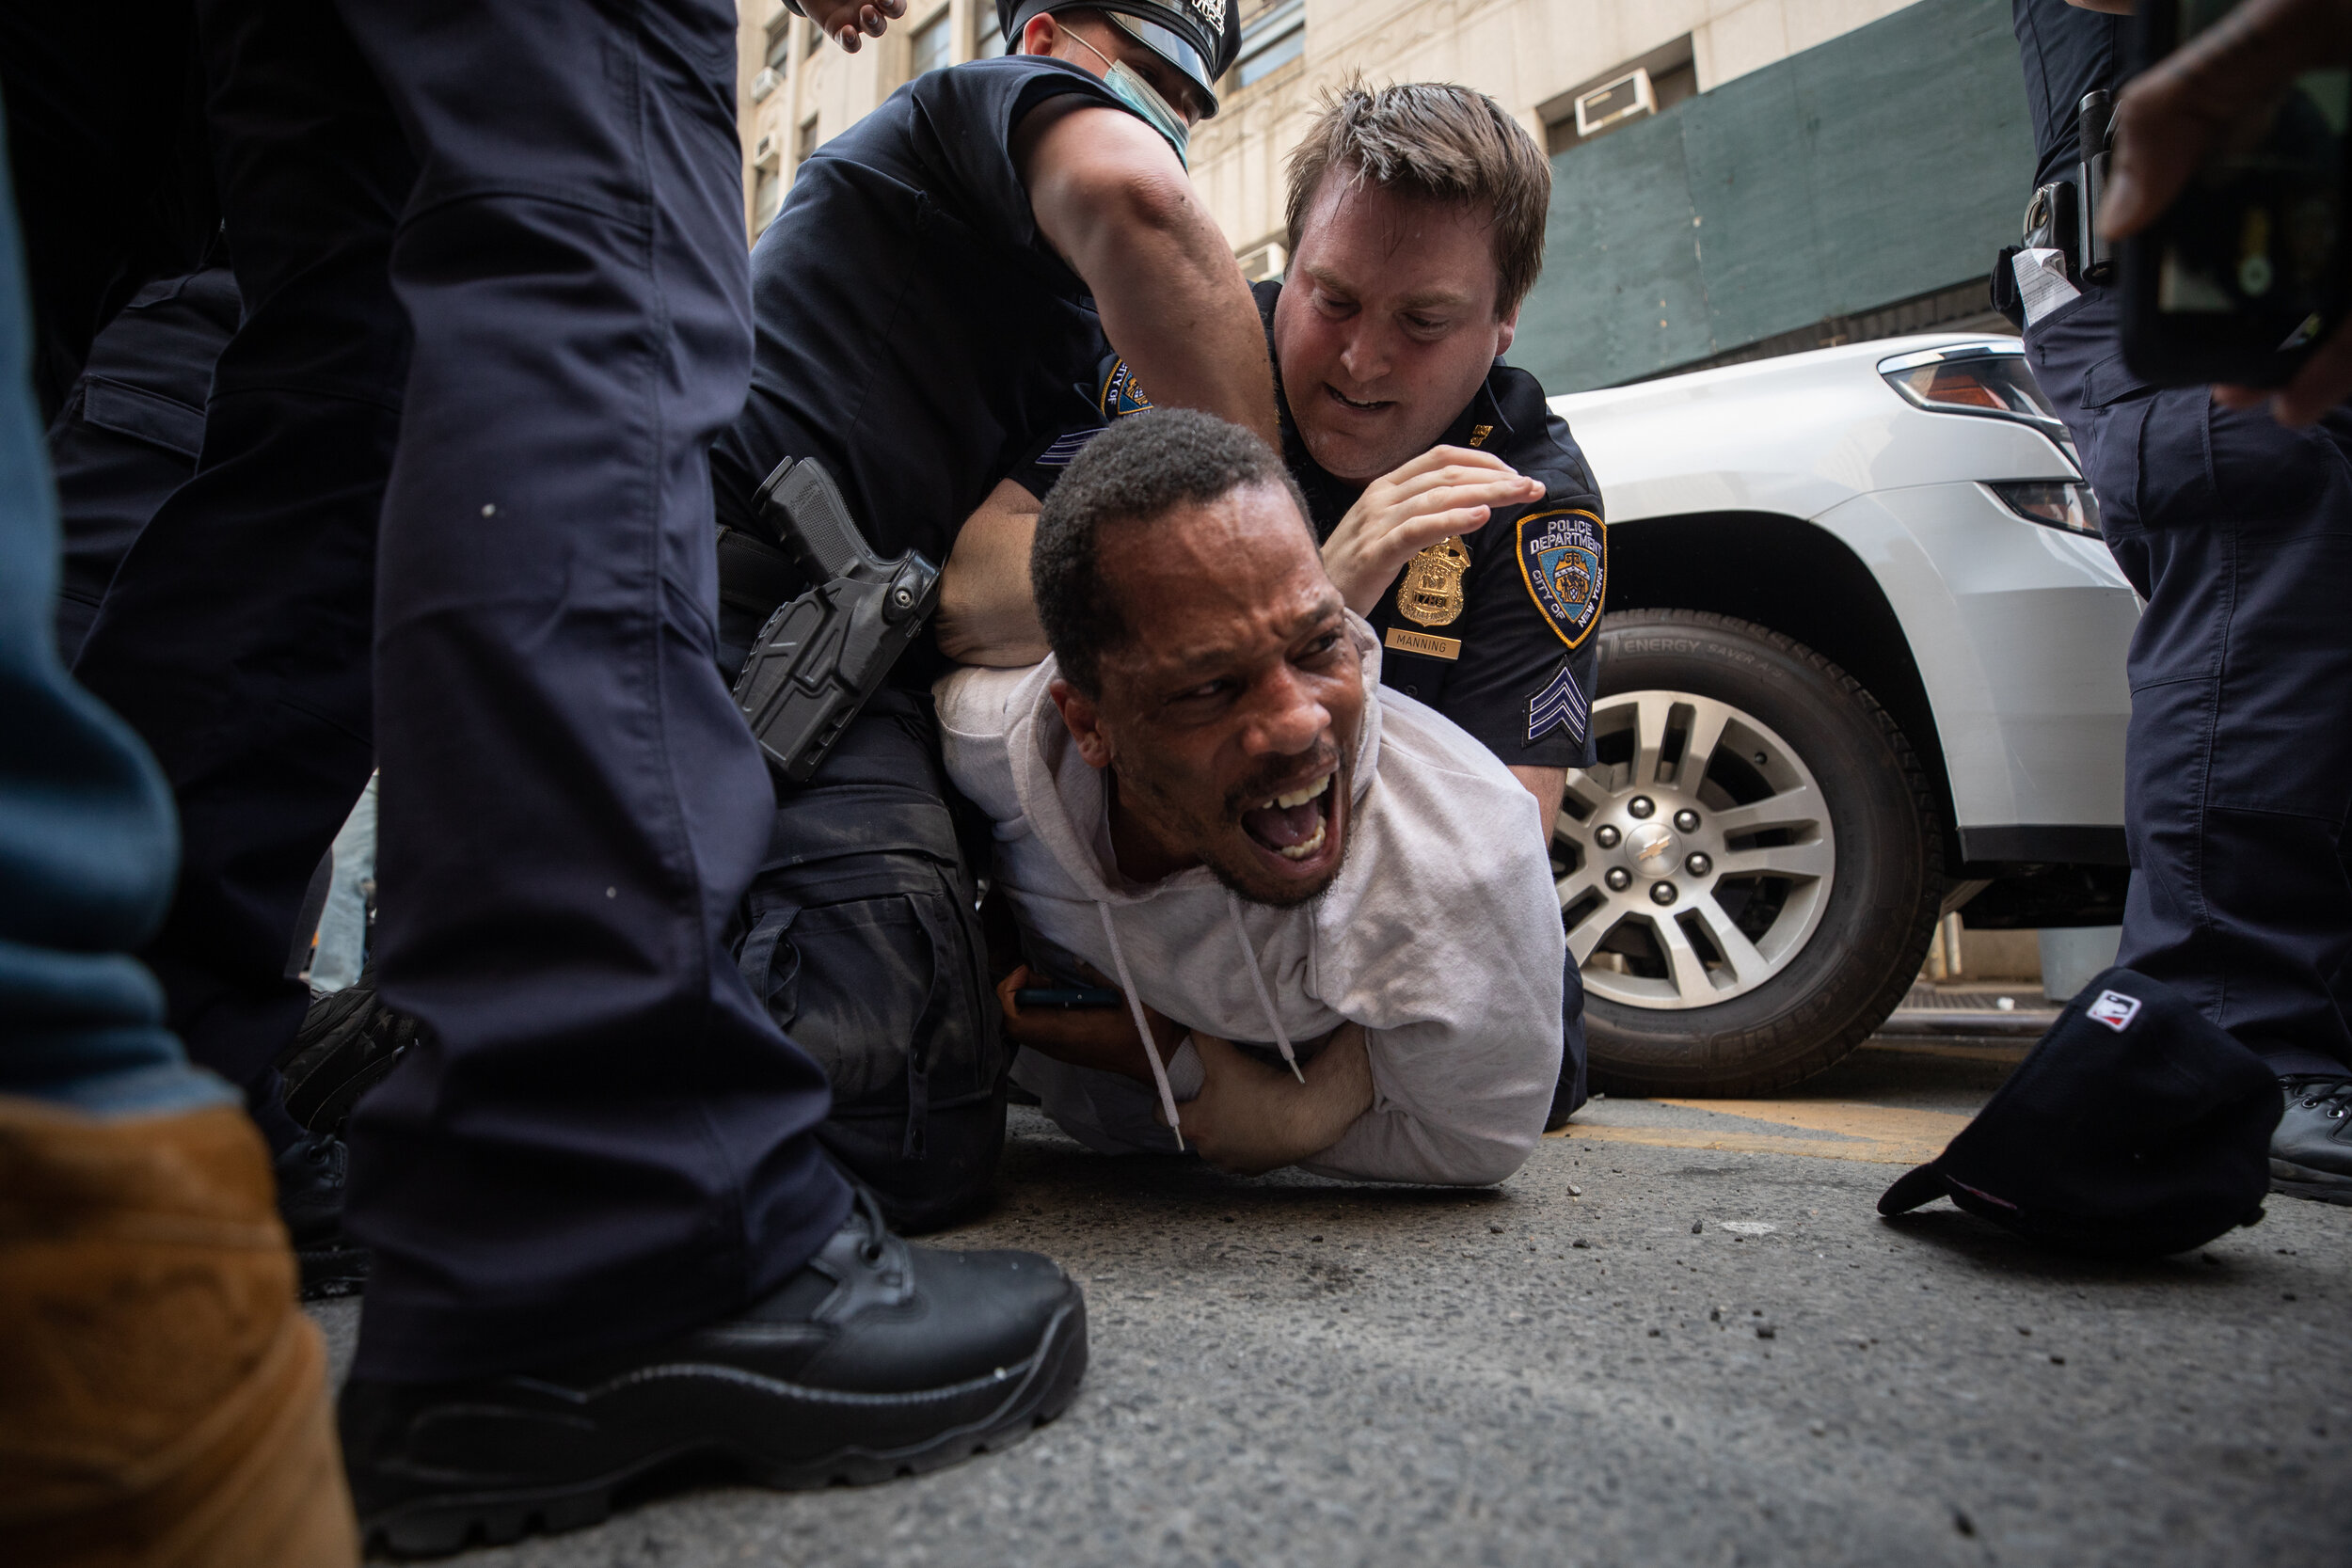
(311, 1180)
(875, 1361)
(2310, 1153)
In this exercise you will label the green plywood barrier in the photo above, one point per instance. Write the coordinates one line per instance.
(1886, 163)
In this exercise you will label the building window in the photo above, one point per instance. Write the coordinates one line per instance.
(808, 37)
(1637, 89)
(1263, 262)
(780, 41)
(1276, 37)
(988, 39)
(927, 48)
(803, 142)
(766, 198)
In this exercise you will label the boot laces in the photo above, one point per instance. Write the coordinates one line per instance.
(2333, 1093)
(868, 1207)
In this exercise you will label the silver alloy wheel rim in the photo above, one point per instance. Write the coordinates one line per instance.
(1763, 836)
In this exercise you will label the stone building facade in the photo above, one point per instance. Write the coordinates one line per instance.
(1782, 173)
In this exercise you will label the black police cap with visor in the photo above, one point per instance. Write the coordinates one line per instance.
(1199, 38)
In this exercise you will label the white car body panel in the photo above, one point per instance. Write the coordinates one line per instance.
(2018, 630)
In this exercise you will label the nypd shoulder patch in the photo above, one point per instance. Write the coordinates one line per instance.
(1563, 556)
(1560, 704)
(1120, 394)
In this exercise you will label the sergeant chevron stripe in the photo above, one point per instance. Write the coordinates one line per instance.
(1558, 703)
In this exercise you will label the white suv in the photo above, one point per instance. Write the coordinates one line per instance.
(1863, 663)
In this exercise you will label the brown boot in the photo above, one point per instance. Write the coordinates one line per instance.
(162, 1401)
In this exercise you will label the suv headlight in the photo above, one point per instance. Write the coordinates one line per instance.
(2053, 503)
(1986, 380)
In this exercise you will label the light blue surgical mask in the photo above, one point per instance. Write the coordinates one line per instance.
(1129, 86)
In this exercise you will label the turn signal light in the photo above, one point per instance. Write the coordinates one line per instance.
(2053, 503)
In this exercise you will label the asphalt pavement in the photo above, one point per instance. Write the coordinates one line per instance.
(1680, 1335)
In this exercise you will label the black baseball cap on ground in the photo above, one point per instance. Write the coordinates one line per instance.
(1199, 38)
(2136, 1127)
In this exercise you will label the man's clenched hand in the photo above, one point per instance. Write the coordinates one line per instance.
(1445, 491)
(848, 22)
(1103, 1038)
(1251, 1119)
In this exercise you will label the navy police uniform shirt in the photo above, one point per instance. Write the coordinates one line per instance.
(913, 328)
(1494, 629)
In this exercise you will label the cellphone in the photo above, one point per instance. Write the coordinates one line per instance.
(1065, 996)
(2247, 272)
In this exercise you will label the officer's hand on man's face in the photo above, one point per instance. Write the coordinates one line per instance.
(1251, 1119)
(848, 22)
(1445, 491)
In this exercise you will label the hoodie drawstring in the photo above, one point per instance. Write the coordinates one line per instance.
(1135, 1004)
(1249, 954)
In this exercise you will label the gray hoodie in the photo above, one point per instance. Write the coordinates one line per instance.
(1441, 936)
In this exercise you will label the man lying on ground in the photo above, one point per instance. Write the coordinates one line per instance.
(1457, 514)
(1328, 908)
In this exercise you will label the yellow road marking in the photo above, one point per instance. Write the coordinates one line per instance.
(1874, 1134)
(2009, 1053)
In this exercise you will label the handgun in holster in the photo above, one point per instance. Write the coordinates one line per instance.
(822, 653)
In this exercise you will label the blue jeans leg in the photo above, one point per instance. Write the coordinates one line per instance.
(86, 841)
(343, 950)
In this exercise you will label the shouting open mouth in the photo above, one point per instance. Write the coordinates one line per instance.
(1294, 825)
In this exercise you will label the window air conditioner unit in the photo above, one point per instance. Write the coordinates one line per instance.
(1623, 99)
(764, 84)
(1263, 262)
(767, 152)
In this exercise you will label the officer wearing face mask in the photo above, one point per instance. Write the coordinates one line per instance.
(940, 272)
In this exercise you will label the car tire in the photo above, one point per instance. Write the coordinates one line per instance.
(1770, 938)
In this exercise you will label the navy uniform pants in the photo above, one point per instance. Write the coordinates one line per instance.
(496, 297)
(131, 429)
(2238, 534)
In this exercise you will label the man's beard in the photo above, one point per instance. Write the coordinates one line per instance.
(1210, 837)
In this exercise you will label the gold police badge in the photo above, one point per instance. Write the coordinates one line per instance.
(1431, 595)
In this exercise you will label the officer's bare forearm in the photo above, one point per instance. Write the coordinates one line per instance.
(1175, 306)
(1547, 785)
(1111, 198)
(987, 614)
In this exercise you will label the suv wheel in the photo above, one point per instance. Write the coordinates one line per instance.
(1750, 873)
